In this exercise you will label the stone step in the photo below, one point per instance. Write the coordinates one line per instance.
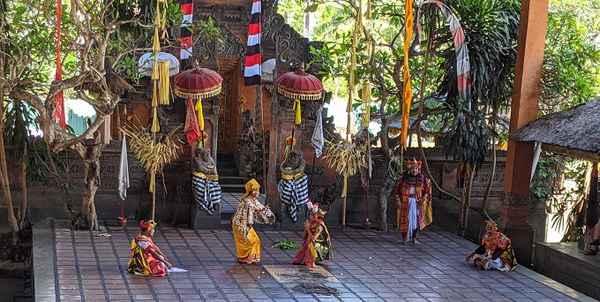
(232, 180)
(225, 172)
(232, 188)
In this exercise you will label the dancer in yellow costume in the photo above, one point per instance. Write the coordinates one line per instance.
(250, 211)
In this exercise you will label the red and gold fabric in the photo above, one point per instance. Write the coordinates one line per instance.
(422, 193)
(495, 251)
(142, 260)
(317, 243)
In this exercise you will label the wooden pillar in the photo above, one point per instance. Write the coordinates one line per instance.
(591, 213)
(524, 109)
(271, 185)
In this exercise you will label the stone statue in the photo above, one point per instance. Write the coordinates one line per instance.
(205, 181)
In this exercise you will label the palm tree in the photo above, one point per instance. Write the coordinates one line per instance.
(491, 30)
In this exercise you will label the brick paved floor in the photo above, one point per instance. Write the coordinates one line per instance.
(369, 266)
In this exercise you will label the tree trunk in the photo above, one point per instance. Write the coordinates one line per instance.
(24, 208)
(384, 196)
(90, 154)
(92, 180)
(466, 205)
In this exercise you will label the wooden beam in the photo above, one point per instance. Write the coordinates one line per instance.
(524, 106)
(524, 109)
(574, 153)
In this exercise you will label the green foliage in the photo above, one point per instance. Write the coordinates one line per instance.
(546, 178)
(19, 119)
(286, 245)
(571, 74)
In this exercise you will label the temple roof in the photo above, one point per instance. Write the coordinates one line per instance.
(574, 132)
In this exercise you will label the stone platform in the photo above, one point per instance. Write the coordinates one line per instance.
(366, 266)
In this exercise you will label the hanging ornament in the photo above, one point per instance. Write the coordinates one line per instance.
(164, 84)
(200, 114)
(297, 112)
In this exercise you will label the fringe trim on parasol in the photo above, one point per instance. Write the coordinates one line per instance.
(206, 93)
(302, 95)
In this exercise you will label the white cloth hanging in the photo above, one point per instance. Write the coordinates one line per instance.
(123, 170)
(317, 138)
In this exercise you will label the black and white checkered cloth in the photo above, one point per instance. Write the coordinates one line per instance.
(207, 193)
(293, 193)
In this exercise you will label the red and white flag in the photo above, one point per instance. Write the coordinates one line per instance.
(185, 38)
(253, 57)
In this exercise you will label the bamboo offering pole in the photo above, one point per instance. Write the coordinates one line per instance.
(351, 86)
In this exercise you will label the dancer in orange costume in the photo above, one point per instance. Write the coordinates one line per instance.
(413, 198)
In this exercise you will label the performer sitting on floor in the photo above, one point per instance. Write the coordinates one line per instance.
(146, 259)
(250, 211)
(317, 242)
(495, 251)
(413, 201)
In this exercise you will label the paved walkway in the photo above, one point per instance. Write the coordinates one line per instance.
(366, 266)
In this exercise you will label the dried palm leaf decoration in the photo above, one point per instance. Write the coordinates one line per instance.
(153, 156)
(346, 159)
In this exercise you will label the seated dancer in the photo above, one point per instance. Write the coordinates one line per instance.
(146, 259)
(495, 251)
(250, 210)
(317, 242)
(413, 201)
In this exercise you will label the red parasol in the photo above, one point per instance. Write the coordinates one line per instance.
(300, 85)
(198, 83)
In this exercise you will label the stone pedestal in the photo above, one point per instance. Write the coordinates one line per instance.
(286, 221)
(514, 214)
(201, 220)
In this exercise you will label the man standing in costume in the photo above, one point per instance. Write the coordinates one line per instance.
(495, 251)
(413, 201)
(250, 211)
(146, 259)
(317, 242)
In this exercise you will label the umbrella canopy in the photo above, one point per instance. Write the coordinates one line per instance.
(300, 85)
(146, 63)
(198, 83)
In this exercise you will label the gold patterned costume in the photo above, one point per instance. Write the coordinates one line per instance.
(250, 211)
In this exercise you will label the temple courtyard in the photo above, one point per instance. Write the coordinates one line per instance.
(366, 266)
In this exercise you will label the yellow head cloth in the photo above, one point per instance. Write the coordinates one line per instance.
(251, 186)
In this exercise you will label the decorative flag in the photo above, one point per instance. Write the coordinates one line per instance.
(191, 128)
(253, 57)
(59, 106)
(317, 139)
(407, 89)
(463, 66)
(123, 171)
(185, 41)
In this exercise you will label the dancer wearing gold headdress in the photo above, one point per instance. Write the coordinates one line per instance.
(145, 258)
(250, 211)
(413, 200)
(495, 252)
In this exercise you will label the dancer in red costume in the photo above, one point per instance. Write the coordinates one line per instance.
(146, 259)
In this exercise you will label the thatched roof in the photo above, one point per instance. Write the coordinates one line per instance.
(575, 132)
